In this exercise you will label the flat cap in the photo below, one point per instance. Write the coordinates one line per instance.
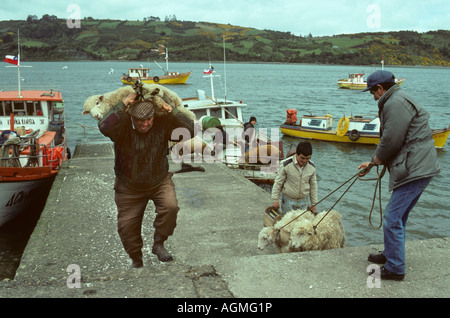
(142, 110)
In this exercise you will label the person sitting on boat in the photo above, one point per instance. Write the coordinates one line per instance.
(296, 181)
(142, 171)
(249, 134)
(407, 148)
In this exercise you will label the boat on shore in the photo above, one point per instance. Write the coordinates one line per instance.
(33, 145)
(211, 113)
(352, 129)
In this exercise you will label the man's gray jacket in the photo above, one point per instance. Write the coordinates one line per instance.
(406, 145)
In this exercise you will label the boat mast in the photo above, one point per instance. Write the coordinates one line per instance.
(18, 65)
(19, 88)
(167, 60)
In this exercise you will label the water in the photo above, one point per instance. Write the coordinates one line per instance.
(270, 89)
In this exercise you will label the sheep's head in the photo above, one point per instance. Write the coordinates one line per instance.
(302, 237)
(93, 106)
(266, 237)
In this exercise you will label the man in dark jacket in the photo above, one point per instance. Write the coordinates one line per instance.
(142, 171)
(249, 134)
(407, 149)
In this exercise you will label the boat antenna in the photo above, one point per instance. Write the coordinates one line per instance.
(225, 68)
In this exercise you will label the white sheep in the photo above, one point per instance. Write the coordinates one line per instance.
(98, 105)
(300, 235)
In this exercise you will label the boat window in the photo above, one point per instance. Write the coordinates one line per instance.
(199, 113)
(7, 108)
(231, 112)
(215, 112)
(19, 108)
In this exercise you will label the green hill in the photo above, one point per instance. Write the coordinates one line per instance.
(50, 39)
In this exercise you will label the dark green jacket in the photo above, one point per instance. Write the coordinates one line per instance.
(141, 161)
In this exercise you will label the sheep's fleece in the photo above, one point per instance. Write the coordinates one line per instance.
(98, 105)
(299, 235)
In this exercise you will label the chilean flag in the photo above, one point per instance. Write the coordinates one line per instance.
(11, 59)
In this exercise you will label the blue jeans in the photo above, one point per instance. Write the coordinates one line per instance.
(402, 201)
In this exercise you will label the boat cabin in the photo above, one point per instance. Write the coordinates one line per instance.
(317, 122)
(139, 72)
(33, 110)
(228, 112)
(357, 78)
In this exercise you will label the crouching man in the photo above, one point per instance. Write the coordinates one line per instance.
(142, 171)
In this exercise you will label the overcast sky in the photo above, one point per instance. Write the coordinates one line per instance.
(300, 17)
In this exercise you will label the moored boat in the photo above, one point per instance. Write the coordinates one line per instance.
(212, 112)
(143, 75)
(351, 129)
(356, 81)
(32, 147)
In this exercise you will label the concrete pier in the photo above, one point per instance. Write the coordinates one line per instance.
(75, 250)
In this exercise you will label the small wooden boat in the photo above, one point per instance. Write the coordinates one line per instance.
(357, 81)
(258, 164)
(143, 75)
(352, 129)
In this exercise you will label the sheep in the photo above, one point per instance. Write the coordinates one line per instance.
(98, 105)
(300, 235)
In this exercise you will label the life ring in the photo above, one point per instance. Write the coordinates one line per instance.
(156, 79)
(129, 79)
(342, 127)
(353, 135)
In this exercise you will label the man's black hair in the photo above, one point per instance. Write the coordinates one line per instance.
(304, 148)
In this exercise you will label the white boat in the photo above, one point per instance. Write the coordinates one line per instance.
(32, 147)
(211, 112)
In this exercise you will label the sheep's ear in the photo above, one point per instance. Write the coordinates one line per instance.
(85, 112)
(101, 98)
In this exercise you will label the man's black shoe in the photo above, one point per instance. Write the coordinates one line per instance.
(385, 274)
(377, 258)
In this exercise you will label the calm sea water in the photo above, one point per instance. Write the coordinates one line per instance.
(270, 89)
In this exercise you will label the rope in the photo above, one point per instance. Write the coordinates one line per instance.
(355, 177)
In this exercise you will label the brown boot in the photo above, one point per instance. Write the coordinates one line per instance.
(136, 260)
(159, 250)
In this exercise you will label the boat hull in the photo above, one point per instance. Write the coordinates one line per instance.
(439, 135)
(22, 191)
(162, 80)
